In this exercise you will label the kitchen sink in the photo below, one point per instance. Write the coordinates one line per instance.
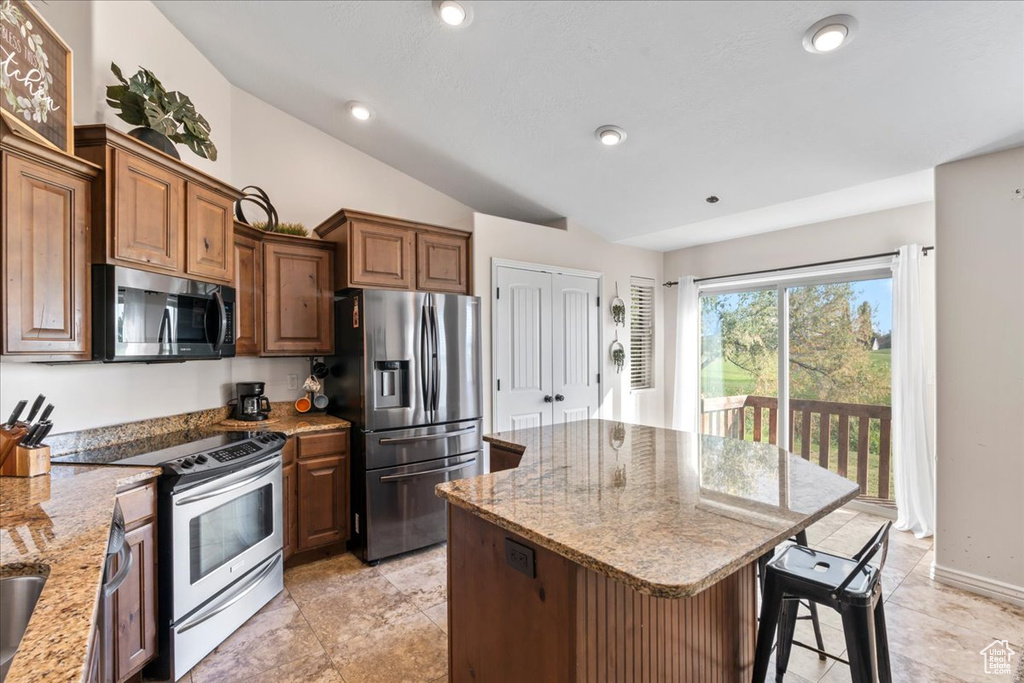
(18, 597)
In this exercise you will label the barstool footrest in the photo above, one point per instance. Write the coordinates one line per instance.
(820, 652)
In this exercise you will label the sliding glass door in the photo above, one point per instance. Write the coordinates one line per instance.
(739, 364)
(804, 362)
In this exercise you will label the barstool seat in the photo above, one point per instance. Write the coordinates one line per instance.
(851, 586)
(822, 573)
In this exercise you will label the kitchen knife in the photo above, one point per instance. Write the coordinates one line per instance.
(26, 441)
(46, 413)
(15, 414)
(35, 408)
(44, 429)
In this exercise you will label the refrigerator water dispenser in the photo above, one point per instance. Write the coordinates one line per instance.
(391, 384)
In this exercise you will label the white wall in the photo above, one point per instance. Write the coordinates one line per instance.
(980, 245)
(136, 34)
(574, 247)
(308, 174)
(869, 233)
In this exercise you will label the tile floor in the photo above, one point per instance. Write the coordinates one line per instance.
(339, 621)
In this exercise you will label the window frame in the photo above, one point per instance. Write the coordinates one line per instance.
(865, 269)
(649, 284)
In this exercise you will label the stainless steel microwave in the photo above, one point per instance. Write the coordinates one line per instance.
(143, 316)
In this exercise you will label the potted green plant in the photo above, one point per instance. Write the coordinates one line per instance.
(163, 118)
(283, 228)
(618, 355)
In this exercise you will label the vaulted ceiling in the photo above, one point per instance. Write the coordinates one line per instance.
(717, 98)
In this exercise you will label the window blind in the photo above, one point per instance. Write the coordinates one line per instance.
(641, 332)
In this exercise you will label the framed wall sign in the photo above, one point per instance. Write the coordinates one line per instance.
(35, 74)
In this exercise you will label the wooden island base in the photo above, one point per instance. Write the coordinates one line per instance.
(570, 623)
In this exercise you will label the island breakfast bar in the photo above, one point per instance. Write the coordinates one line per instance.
(615, 552)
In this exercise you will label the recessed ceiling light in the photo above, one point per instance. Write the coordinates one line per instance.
(359, 111)
(452, 13)
(610, 135)
(830, 34)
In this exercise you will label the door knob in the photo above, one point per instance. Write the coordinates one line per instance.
(559, 398)
(548, 399)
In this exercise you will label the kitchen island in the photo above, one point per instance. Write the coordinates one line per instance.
(619, 552)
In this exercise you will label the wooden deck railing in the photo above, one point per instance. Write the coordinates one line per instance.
(812, 425)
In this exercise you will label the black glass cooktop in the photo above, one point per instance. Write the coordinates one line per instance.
(155, 450)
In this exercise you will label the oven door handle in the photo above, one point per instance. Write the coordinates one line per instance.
(413, 475)
(426, 437)
(243, 590)
(230, 487)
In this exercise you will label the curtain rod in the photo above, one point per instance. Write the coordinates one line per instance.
(673, 283)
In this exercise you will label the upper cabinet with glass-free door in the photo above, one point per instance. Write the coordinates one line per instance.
(46, 228)
(381, 252)
(153, 212)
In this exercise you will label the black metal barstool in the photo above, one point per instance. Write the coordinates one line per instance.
(762, 563)
(850, 586)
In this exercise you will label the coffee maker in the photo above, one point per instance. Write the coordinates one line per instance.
(251, 405)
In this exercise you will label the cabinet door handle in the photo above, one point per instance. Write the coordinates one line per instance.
(559, 398)
(548, 399)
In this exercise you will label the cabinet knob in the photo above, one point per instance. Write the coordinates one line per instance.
(559, 398)
(548, 399)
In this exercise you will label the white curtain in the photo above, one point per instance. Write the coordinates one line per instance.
(687, 390)
(914, 467)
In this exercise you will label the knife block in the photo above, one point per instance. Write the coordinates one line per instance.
(23, 462)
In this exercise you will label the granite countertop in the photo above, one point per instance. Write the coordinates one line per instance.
(58, 525)
(668, 513)
(105, 445)
(289, 421)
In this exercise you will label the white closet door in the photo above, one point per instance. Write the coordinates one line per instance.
(522, 363)
(575, 358)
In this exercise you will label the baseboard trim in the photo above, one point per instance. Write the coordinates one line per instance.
(973, 583)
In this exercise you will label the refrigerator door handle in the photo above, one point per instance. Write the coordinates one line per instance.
(424, 358)
(427, 437)
(435, 380)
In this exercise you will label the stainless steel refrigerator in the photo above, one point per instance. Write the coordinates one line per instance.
(406, 374)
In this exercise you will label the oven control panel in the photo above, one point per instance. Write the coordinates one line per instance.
(233, 454)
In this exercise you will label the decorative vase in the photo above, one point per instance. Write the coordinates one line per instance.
(157, 141)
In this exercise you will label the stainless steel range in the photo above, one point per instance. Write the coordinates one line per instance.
(219, 542)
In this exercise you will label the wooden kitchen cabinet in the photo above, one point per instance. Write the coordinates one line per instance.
(45, 281)
(391, 253)
(380, 256)
(442, 262)
(210, 234)
(321, 488)
(298, 297)
(248, 253)
(153, 212)
(503, 459)
(284, 294)
(149, 220)
(135, 602)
